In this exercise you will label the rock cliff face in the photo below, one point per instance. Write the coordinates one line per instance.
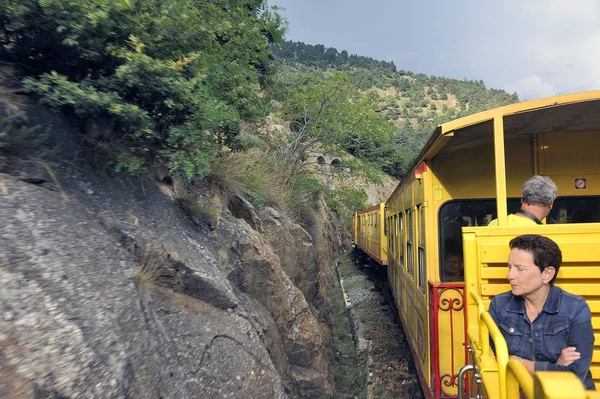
(109, 290)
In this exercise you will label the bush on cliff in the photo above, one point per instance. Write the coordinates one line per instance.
(172, 78)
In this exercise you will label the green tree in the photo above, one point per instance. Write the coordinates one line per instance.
(328, 112)
(174, 78)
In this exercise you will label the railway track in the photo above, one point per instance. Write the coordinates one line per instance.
(390, 365)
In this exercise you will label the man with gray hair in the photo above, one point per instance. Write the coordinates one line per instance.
(537, 197)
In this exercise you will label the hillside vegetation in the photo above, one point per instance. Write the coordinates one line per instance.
(413, 102)
(186, 87)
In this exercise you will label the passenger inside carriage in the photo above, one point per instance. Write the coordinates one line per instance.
(575, 210)
(453, 268)
(537, 198)
(545, 327)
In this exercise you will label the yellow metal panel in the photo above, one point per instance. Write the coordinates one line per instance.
(404, 294)
(581, 289)
(565, 157)
(490, 384)
(383, 242)
(557, 385)
(407, 199)
(571, 246)
(460, 179)
(494, 252)
(500, 169)
(571, 273)
(474, 179)
(592, 395)
(422, 337)
(419, 191)
(485, 270)
(451, 335)
(595, 370)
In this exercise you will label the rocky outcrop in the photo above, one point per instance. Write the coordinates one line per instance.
(110, 290)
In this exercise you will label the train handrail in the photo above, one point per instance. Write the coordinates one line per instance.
(544, 384)
(517, 377)
(487, 329)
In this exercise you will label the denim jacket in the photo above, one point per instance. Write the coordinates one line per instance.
(564, 321)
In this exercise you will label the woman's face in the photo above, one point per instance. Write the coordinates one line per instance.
(524, 276)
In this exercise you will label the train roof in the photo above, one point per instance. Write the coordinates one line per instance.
(569, 113)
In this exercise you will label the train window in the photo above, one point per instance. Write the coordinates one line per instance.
(409, 242)
(421, 243)
(575, 210)
(400, 237)
(386, 223)
(395, 235)
(453, 216)
(395, 240)
(390, 235)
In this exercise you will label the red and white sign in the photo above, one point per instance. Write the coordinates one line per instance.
(580, 183)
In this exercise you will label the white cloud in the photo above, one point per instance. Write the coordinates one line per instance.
(563, 12)
(531, 88)
(536, 47)
(560, 50)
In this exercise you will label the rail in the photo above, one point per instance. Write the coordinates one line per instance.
(518, 379)
(487, 329)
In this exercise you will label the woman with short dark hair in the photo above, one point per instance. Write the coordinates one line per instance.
(545, 327)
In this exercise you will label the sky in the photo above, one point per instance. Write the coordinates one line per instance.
(536, 48)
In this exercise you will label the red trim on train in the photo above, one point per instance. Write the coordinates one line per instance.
(373, 208)
(411, 177)
(434, 328)
(372, 256)
(421, 168)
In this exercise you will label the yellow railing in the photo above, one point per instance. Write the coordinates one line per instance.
(512, 375)
(518, 379)
(487, 329)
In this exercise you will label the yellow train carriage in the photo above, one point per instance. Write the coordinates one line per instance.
(471, 171)
(369, 233)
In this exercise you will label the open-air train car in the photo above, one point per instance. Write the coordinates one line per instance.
(470, 171)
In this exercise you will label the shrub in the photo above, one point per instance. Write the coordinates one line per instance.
(174, 78)
(156, 268)
(254, 174)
